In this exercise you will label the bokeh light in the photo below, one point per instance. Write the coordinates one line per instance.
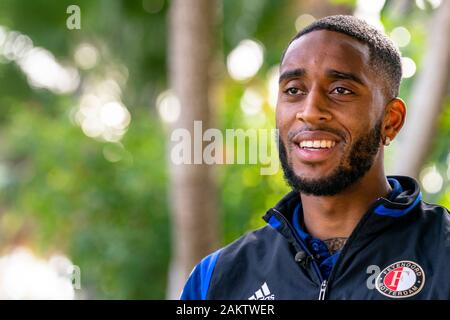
(251, 102)
(431, 179)
(400, 36)
(408, 67)
(43, 71)
(101, 113)
(25, 276)
(303, 20)
(86, 56)
(421, 4)
(245, 60)
(272, 85)
(168, 106)
(152, 6)
(39, 65)
(369, 10)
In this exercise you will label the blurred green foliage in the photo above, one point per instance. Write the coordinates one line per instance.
(104, 204)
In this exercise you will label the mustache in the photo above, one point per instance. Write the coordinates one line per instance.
(293, 133)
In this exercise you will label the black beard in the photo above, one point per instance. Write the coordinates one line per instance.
(361, 159)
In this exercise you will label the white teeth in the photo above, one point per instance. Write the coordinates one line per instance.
(317, 144)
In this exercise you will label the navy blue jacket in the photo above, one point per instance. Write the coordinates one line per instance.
(400, 249)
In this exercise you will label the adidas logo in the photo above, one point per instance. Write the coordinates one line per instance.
(263, 294)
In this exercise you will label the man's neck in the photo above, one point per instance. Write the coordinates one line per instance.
(327, 217)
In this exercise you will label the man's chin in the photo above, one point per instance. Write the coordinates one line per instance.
(321, 183)
(319, 187)
(314, 174)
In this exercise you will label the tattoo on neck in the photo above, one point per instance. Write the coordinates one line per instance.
(335, 244)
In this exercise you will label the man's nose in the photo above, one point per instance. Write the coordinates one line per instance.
(313, 108)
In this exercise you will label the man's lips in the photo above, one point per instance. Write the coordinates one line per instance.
(315, 146)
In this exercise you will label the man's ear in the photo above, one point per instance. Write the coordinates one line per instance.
(394, 118)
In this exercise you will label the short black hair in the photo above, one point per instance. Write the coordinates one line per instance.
(384, 55)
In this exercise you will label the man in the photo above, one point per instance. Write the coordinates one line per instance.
(346, 231)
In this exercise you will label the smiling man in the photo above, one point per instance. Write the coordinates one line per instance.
(346, 231)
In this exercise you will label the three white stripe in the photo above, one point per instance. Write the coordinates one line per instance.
(262, 293)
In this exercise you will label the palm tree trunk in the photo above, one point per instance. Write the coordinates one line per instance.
(193, 190)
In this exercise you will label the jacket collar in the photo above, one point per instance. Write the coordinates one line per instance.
(404, 201)
(404, 197)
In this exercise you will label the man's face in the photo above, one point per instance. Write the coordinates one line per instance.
(329, 112)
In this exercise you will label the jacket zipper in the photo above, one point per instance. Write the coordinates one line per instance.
(323, 290)
(351, 239)
(294, 233)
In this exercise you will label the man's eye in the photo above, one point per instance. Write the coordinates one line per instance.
(341, 90)
(292, 91)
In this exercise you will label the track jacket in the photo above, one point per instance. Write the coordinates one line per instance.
(400, 249)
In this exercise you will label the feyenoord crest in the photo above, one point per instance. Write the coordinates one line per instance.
(401, 279)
